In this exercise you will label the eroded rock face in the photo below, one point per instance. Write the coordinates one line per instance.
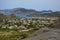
(44, 34)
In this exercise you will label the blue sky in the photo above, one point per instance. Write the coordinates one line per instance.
(31, 4)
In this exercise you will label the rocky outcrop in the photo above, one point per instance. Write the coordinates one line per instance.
(44, 34)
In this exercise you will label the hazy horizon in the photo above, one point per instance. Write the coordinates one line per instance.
(31, 4)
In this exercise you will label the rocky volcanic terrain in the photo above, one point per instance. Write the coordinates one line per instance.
(45, 34)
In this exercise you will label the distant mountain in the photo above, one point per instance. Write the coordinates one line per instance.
(30, 12)
(47, 11)
(23, 10)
